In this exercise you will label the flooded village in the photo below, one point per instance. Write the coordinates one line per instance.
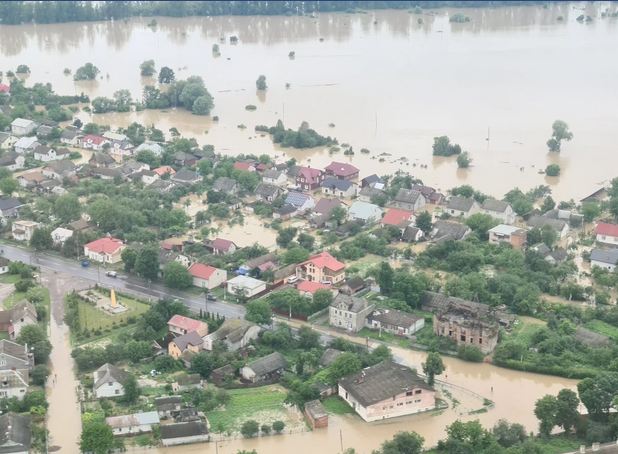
(296, 227)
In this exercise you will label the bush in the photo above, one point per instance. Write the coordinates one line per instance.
(470, 353)
(39, 375)
(552, 170)
(250, 428)
(278, 426)
(23, 285)
(265, 429)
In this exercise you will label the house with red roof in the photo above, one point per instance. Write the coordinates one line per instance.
(323, 268)
(607, 233)
(341, 170)
(308, 288)
(397, 218)
(244, 166)
(309, 179)
(206, 276)
(93, 142)
(219, 246)
(164, 170)
(4, 88)
(179, 325)
(105, 250)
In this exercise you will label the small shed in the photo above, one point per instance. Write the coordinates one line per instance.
(316, 414)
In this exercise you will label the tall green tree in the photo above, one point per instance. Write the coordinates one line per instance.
(97, 438)
(166, 75)
(402, 443)
(147, 68)
(566, 409)
(545, 410)
(41, 239)
(147, 263)
(433, 366)
(385, 278)
(131, 390)
(423, 222)
(67, 208)
(176, 276)
(259, 312)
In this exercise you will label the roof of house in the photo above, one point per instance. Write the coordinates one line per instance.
(186, 323)
(167, 403)
(22, 122)
(410, 233)
(382, 381)
(365, 211)
(61, 165)
(352, 303)
(505, 229)
(15, 433)
(445, 230)
(315, 409)
(272, 174)
(154, 147)
(243, 165)
(183, 430)
(310, 174)
(42, 149)
(222, 244)
(164, 170)
(13, 349)
(69, 133)
(341, 169)
(397, 217)
(326, 206)
(108, 372)
(460, 203)
(105, 245)
(407, 195)
(335, 183)
(297, 199)
(604, 228)
(267, 190)
(497, 206)
(80, 224)
(12, 378)
(329, 356)
(224, 184)
(369, 191)
(95, 139)
(371, 179)
(136, 419)
(7, 203)
(191, 338)
(325, 260)
(186, 175)
(267, 364)
(232, 330)
(245, 282)
(609, 256)
(202, 271)
(311, 287)
(189, 379)
(106, 172)
(254, 263)
(394, 317)
(439, 302)
(286, 209)
(541, 221)
(4, 88)
(25, 142)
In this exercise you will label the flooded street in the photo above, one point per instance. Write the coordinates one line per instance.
(63, 416)
(387, 82)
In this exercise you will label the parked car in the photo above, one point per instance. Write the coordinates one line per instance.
(111, 274)
(211, 297)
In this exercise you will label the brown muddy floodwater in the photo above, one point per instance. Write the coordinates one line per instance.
(388, 84)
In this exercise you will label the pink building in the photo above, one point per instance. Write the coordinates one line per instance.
(386, 390)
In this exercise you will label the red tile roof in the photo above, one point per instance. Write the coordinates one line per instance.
(341, 169)
(222, 245)
(163, 170)
(91, 138)
(105, 245)
(309, 174)
(185, 323)
(4, 88)
(247, 166)
(603, 228)
(396, 217)
(325, 260)
(311, 287)
(201, 271)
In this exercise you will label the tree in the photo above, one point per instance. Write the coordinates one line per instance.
(286, 235)
(507, 434)
(250, 428)
(259, 311)
(147, 68)
(552, 170)
(39, 374)
(590, 210)
(67, 208)
(97, 437)
(306, 241)
(260, 83)
(86, 72)
(203, 363)
(308, 338)
(423, 222)
(433, 366)
(295, 255)
(548, 204)
(122, 100)
(203, 105)
(128, 256)
(265, 429)
(385, 278)
(345, 364)
(560, 132)
(464, 160)
(41, 239)
(166, 75)
(597, 393)
(480, 223)
(131, 390)
(545, 410)
(278, 426)
(402, 443)
(566, 409)
(23, 69)
(548, 235)
(322, 299)
(147, 263)
(36, 339)
(442, 147)
(8, 185)
(467, 438)
(338, 214)
(177, 276)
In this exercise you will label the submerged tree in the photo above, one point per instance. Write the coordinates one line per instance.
(560, 132)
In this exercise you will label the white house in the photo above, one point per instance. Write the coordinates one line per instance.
(462, 206)
(7, 140)
(26, 145)
(246, 286)
(274, 176)
(136, 423)
(106, 250)
(152, 147)
(499, 210)
(183, 433)
(12, 161)
(46, 154)
(23, 230)
(604, 258)
(206, 276)
(22, 127)
(109, 381)
(13, 383)
(365, 212)
(339, 188)
(4, 265)
(607, 233)
(60, 235)
(234, 333)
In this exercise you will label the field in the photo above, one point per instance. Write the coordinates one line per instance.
(265, 405)
(95, 319)
(601, 327)
(337, 406)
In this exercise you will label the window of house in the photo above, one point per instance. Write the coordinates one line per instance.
(409, 393)
(480, 340)
(417, 401)
(471, 340)
(417, 391)
(399, 404)
(462, 337)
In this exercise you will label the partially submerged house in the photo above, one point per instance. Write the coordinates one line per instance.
(234, 333)
(395, 322)
(268, 368)
(135, 423)
(510, 234)
(462, 206)
(109, 381)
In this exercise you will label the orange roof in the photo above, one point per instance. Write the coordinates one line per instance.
(396, 217)
(311, 287)
(163, 170)
(105, 245)
(186, 323)
(201, 271)
(325, 260)
(603, 228)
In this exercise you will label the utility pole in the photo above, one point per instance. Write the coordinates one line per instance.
(341, 439)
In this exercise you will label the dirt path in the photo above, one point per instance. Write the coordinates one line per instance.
(63, 417)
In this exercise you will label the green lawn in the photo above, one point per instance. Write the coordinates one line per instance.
(93, 318)
(599, 326)
(13, 299)
(9, 278)
(385, 337)
(336, 406)
(525, 330)
(244, 404)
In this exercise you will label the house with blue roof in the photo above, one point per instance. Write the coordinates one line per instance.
(301, 202)
(338, 188)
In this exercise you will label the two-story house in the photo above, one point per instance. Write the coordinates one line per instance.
(309, 179)
(323, 268)
(349, 312)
